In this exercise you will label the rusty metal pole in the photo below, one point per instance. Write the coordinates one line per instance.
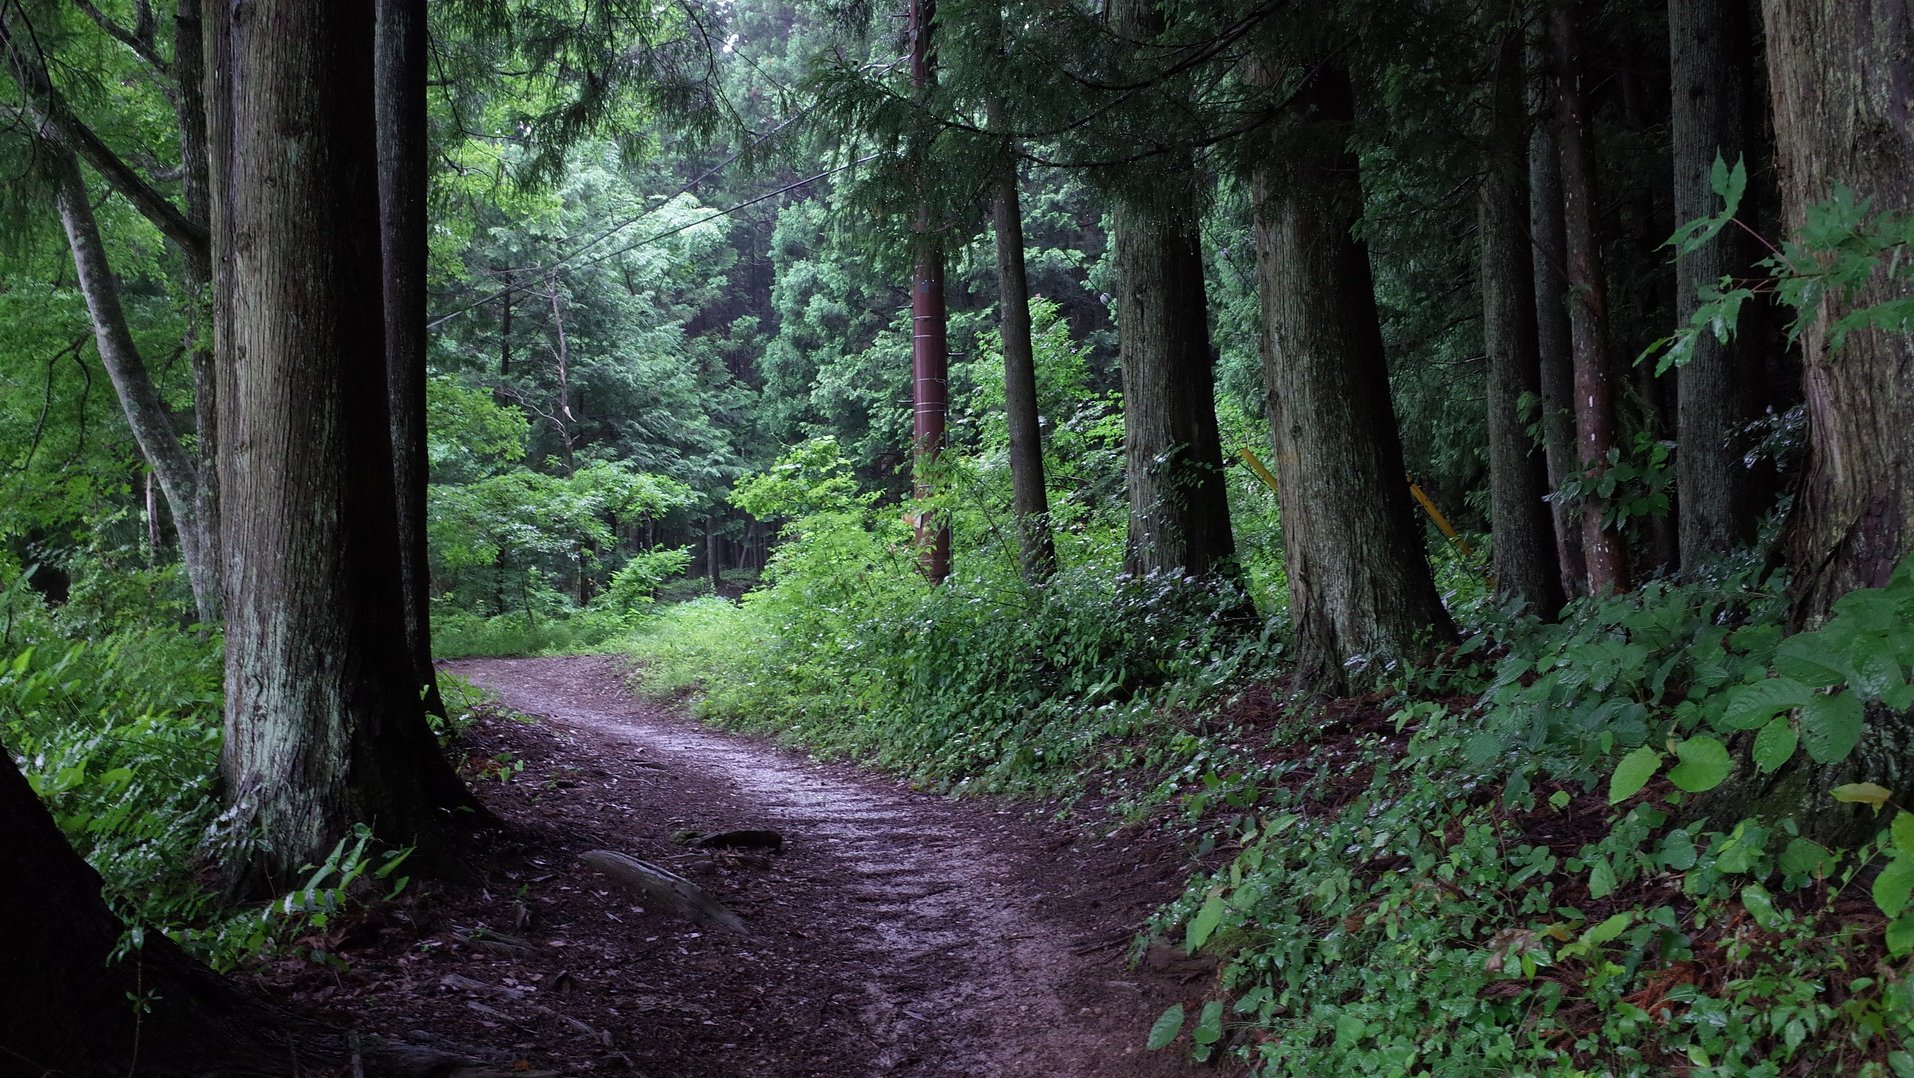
(930, 349)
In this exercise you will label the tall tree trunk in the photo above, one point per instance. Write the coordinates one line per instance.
(1842, 77)
(190, 488)
(1525, 560)
(1553, 339)
(67, 1007)
(1604, 549)
(930, 349)
(1173, 457)
(189, 74)
(1711, 47)
(1029, 499)
(400, 94)
(146, 414)
(324, 724)
(1359, 581)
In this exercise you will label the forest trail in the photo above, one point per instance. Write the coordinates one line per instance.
(896, 933)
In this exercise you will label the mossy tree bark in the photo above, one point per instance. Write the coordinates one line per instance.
(1842, 79)
(1173, 459)
(325, 726)
(1359, 580)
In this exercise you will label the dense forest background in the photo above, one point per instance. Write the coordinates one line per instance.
(1507, 404)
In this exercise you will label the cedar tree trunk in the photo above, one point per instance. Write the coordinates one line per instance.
(1525, 560)
(1711, 45)
(401, 64)
(1359, 581)
(324, 721)
(1030, 499)
(1173, 458)
(1604, 550)
(1842, 77)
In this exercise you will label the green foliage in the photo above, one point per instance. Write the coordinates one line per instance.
(985, 682)
(1844, 244)
(120, 736)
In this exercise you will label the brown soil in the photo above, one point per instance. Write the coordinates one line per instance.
(895, 933)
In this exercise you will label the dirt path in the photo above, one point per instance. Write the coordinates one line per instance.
(895, 934)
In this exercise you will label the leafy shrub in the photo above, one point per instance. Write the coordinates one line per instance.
(120, 736)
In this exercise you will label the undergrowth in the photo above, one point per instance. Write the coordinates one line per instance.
(1558, 852)
(119, 734)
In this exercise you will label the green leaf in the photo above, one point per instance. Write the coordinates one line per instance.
(1704, 764)
(1864, 793)
(1209, 1025)
(1204, 922)
(1804, 657)
(1633, 773)
(1761, 905)
(1900, 934)
(1609, 929)
(1804, 858)
(1775, 743)
(1601, 879)
(1831, 727)
(1752, 705)
(1893, 886)
(1349, 1030)
(1903, 831)
(1165, 1028)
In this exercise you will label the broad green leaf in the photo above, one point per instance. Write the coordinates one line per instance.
(1805, 659)
(1209, 1024)
(1601, 879)
(1609, 929)
(1900, 934)
(1165, 1028)
(1893, 886)
(1804, 857)
(1831, 727)
(1704, 764)
(1349, 1030)
(1752, 705)
(1864, 793)
(1633, 773)
(1761, 905)
(1204, 922)
(1903, 831)
(1775, 743)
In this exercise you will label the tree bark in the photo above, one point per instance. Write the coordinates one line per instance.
(1030, 500)
(191, 489)
(67, 1007)
(1711, 47)
(1173, 459)
(1359, 582)
(146, 413)
(1548, 240)
(324, 723)
(930, 349)
(400, 94)
(1525, 558)
(1842, 79)
(1604, 549)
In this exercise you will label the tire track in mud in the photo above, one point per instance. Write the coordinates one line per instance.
(955, 934)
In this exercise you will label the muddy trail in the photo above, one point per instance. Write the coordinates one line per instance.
(890, 932)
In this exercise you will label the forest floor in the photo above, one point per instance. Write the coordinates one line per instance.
(894, 933)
